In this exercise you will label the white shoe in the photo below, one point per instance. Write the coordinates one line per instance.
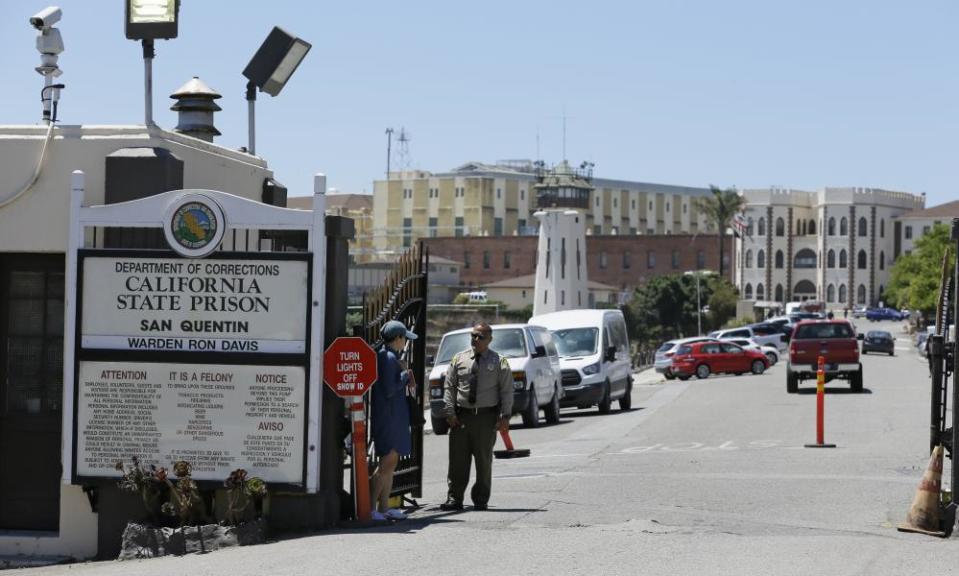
(394, 514)
(377, 515)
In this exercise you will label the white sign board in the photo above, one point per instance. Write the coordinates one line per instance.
(216, 417)
(210, 305)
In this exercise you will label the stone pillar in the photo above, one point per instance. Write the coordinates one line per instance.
(851, 261)
(872, 256)
(789, 254)
(770, 261)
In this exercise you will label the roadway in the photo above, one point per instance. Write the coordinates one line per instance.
(701, 477)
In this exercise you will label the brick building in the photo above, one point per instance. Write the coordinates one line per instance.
(620, 261)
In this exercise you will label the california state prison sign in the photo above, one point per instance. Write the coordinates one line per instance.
(193, 305)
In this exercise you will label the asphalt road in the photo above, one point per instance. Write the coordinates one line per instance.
(701, 477)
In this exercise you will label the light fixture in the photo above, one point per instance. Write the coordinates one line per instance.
(270, 69)
(152, 19)
(146, 21)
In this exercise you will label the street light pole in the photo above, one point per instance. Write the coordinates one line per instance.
(699, 310)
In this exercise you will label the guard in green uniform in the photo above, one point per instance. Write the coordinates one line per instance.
(479, 401)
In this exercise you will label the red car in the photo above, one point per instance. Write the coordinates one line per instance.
(704, 358)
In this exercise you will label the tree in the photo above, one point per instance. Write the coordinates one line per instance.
(719, 208)
(665, 307)
(915, 277)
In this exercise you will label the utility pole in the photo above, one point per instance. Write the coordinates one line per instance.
(389, 145)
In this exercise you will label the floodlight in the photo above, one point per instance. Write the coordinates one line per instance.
(152, 19)
(276, 60)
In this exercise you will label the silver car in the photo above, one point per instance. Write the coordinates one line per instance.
(664, 354)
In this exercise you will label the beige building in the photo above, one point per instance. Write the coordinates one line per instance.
(912, 226)
(359, 207)
(479, 199)
(517, 293)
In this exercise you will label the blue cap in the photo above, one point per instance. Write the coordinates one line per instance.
(394, 329)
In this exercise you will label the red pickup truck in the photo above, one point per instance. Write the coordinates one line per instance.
(836, 341)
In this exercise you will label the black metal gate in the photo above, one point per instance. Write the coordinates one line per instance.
(943, 352)
(403, 297)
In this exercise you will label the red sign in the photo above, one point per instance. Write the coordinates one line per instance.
(349, 366)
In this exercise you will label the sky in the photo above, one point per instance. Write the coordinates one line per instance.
(745, 93)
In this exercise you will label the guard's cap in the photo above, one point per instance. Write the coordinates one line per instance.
(395, 329)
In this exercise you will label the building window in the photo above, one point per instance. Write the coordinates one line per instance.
(908, 232)
(458, 226)
(799, 231)
(805, 258)
(749, 227)
(861, 294)
(761, 259)
(749, 258)
(842, 258)
(779, 292)
(432, 227)
(675, 260)
(650, 259)
(748, 293)
(602, 259)
(667, 207)
(627, 260)
(700, 260)
(499, 193)
(597, 229)
(830, 293)
(507, 259)
(466, 259)
(485, 259)
(812, 227)
(831, 259)
(407, 232)
(762, 228)
(862, 227)
(925, 230)
(882, 228)
(882, 260)
(760, 291)
(497, 226)
(522, 194)
(861, 260)
(843, 227)
(650, 205)
(780, 227)
(842, 293)
(597, 200)
(779, 259)
(615, 203)
(832, 226)
(633, 204)
(633, 231)
(684, 208)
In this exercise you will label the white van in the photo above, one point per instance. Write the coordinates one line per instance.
(532, 357)
(594, 356)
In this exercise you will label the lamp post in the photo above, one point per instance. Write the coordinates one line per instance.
(699, 305)
(148, 20)
(270, 69)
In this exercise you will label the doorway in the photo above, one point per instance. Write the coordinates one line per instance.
(31, 390)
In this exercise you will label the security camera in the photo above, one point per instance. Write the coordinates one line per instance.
(46, 17)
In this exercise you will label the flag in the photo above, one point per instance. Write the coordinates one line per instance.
(739, 225)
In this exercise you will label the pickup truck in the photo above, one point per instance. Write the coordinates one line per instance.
(836, 341)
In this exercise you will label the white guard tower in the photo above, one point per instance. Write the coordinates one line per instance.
(561, 282)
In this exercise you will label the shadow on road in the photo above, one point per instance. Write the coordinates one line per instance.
(812, 391)
(542, 424)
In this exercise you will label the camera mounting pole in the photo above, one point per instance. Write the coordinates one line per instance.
(148, 54)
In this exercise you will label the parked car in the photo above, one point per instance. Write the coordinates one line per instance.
(785, 325)
(859, 311)
(762, 333)
(593, 350)
(836, 340)
(771, 352)
(921, 343)
(704, 358)
(533, 358)
(874, 314)
(664, 354)
(879, 341)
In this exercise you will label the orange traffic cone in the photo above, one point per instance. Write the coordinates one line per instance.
(923, 516)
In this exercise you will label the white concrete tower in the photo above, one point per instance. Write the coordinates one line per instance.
(563, 196)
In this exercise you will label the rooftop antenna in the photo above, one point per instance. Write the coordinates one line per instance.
(50, 46)
(404, 151)
(389, 145)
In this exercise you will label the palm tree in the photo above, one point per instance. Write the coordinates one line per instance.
(719, 208)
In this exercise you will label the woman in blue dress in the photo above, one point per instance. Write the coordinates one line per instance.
(390, 416)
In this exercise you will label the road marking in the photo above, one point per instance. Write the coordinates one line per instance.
(727, 446)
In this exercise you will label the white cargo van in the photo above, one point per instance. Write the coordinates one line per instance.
(593, 350)
(532, 357)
